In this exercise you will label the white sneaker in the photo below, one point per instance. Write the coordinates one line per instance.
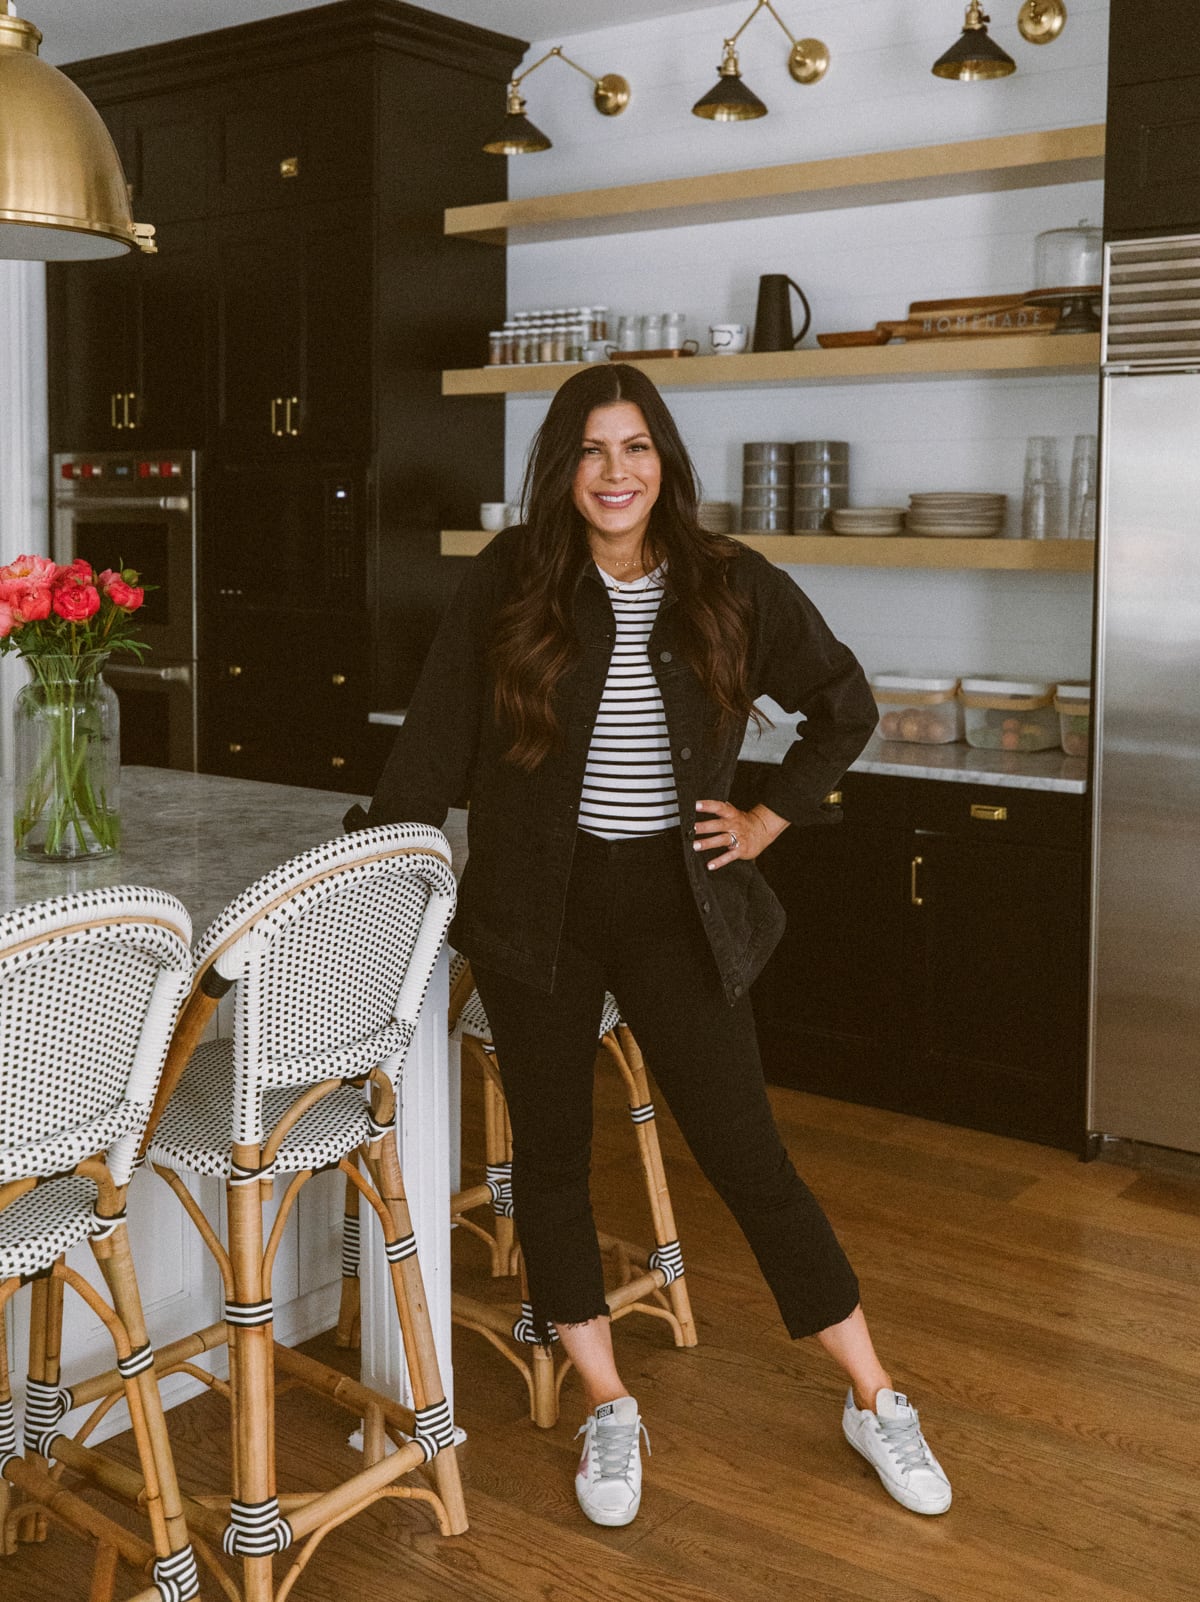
(891, 1441)
(608, 1481)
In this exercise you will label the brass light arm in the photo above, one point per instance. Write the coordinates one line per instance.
(808, 59)
(610, 93)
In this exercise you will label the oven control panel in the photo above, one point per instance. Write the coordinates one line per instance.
(103, 470)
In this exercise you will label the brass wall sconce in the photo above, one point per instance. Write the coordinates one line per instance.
(1041, 21)
(729, 100)
(63, 195)
(975, 55)
(519, 137)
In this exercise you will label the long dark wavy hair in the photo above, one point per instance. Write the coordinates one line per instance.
(535, 641)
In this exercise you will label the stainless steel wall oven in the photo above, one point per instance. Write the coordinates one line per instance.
(120, 509)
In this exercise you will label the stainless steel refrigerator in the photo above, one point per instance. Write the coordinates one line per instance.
(1145, 1071)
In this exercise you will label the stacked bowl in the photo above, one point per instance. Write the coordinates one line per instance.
(767, 487)
(957, 514)
(820, 483)
(716, 517)
(872, 521)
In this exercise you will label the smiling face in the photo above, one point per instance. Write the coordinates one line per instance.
(618, 478)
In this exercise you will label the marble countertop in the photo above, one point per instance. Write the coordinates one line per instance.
(200, 837)
(959, 763)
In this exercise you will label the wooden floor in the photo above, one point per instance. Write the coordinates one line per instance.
(1043, 1314)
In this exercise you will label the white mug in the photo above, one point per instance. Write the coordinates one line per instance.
(597, 350)
(493, 516)
(728, 339)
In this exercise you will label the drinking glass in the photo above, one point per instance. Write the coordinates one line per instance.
(1081, 515)
(652, 331)
(628, 332)
(1041, 510)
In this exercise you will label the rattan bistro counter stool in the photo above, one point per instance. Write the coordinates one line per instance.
(90, 988)
(643, 1282)
(331, 955)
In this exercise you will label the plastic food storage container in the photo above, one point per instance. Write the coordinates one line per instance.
(1073, 703)
(917, 707)
(1009, 714)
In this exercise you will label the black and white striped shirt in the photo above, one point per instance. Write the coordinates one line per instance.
(628, 784)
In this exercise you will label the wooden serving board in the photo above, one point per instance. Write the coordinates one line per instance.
(647, 355)
(917, 308)
(977, 322)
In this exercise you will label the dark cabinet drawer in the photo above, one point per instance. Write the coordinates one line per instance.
(1002, 815)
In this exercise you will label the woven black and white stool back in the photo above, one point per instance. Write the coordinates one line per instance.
(90, 987)
(332, 954)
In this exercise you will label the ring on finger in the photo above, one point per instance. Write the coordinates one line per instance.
(733, 841)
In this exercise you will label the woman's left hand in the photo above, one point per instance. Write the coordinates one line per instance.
(741, 836)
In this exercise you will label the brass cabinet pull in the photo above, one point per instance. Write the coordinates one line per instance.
(986, 814)
(130, 395)
(289, 167)
(234, 671)
(338, 678)
(276, 403)
(290, 426)
(112, 409)
(337, 762)
(917, 863)
(234, 747)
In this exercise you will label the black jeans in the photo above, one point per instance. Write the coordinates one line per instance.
(631, 926)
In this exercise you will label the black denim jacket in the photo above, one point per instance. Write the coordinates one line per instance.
(522, 826)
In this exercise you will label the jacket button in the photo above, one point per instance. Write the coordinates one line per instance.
(664, 656)
(737, 990)
(686, 754)
(706, 907)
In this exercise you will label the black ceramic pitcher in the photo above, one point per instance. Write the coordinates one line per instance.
(773, 319)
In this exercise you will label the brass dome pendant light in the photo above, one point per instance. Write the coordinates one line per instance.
(519, 137)
(729, 100)
(974, 55)
(63, 195)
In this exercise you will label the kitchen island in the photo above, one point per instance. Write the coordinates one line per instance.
(204, 839)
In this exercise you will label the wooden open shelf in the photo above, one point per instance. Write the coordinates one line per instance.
(990, 356)
(898, 550)
(974, 166)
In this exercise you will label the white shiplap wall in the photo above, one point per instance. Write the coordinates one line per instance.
(855, 265)
(23, 494)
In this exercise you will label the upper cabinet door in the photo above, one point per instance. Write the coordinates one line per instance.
(91, 312)
(167, 145)
(171, 334)
(288, 139)
(1152, 162)
(294, 324)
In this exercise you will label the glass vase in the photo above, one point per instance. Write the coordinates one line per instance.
(67, 767)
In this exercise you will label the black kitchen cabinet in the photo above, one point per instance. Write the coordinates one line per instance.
(128, 368)
(934, 961)
(1152, 160)
(294, 329)
(293, 335)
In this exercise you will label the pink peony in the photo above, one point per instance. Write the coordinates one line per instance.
(122, 591)
(76, 601)
(7, 623)
(29, 603)
(35, 570)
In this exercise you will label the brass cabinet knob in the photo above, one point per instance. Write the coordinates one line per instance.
(985, 814)
(833, 799)
(338, 678)
(337, 762)
(234, 671)
(234, 747)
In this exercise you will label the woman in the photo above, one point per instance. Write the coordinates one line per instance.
(588, 693)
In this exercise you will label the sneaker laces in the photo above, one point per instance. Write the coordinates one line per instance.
(615, 1446)
(905, 1442)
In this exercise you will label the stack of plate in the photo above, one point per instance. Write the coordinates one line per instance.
(716, 517)
(868, 520)
(956, 514)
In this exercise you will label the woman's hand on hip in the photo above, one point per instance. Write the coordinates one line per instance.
(733, 835)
